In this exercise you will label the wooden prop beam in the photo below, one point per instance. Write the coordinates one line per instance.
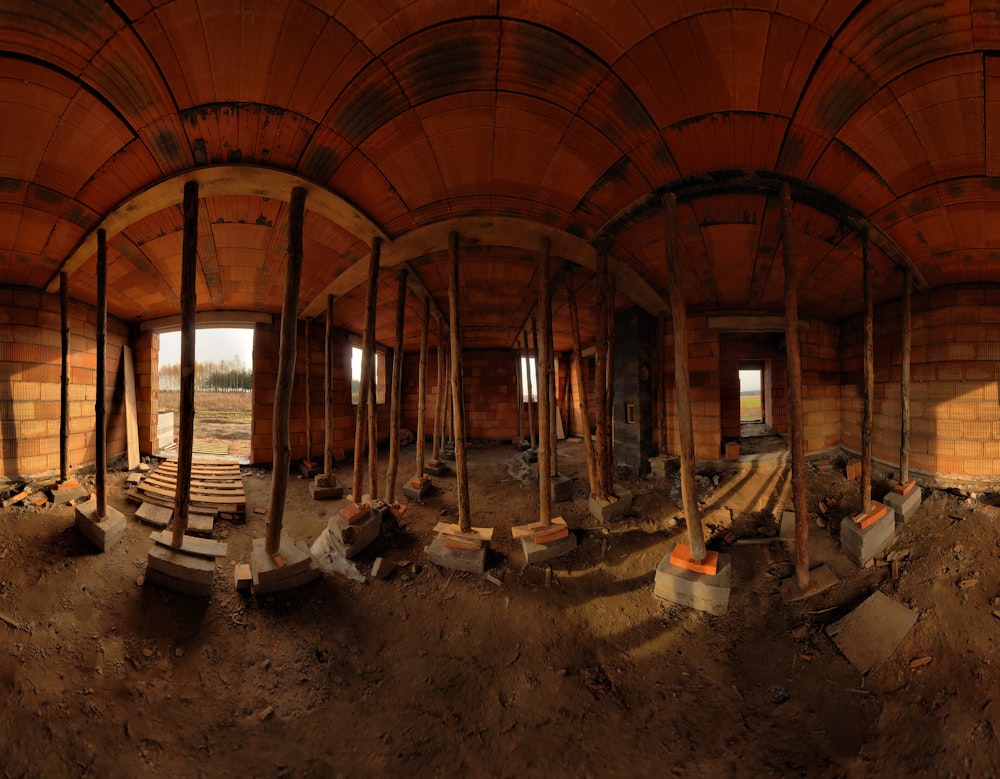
(373, 436)
(544, 389)
(600, 376)
(531, 391)
(519, 392)
(282, 447)
(439, 396)
(538, 375)
(367, 353)
(309, 428)
(869, 377)
(64, 377)
(100, 445)
(904, 381)
(609, 378)
(189, 308)
(329, 408)
(457, 390)
(584, 400)
(396, 396)
(661, 387)
(795, 414)
(425, 327)
(553, 406)
(682, 377)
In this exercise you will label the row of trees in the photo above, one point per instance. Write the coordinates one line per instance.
(223, 376)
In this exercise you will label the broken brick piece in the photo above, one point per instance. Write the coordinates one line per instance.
(874, 515)
(681, 557)
(352, 513)
(905, 489)
(69, 484)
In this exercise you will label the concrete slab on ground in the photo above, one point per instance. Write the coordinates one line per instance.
(471, 560)
(695, 590)
(870, 634)
(615, 508)
(60, 497)
(104, 534)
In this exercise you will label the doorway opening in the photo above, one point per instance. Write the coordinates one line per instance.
(751, 395)
(223, 394)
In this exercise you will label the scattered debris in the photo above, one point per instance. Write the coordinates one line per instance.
(920, 662)
(967, 584)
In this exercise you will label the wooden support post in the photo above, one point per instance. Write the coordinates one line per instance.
(904, 381)
(795, 414)
(531, 391)
(396, 396)
(600, 375)
(282, 449)
(458, 398)
(439, 396)
(189, 309)
(584, 400)
(309, 429)
(682, 374)
(538, 378)
(448, 423)
(64, 377)
(544, 363)
(373, 435)
(609, 378)
(661, 387)
(100, 444)
(328, 358)
(553, 406)
(869, 378)
(367, 355)
(519, 392)
(422, 388)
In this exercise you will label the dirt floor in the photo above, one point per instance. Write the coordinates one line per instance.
(434, 673)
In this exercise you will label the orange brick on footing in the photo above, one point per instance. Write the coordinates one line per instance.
(352, 513)
(681, 557)
(874, 515)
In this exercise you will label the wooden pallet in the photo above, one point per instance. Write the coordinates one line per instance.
(215, 487)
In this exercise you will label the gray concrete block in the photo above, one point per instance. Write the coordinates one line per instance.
(308, 468)
(905, 506)
(64, 496)
(176, 570)
(436, 468)
(326, 487)
(104, 534)
(414, 493)
(161, 579)
(860, 546)
(562, 488)
(609, 512)
(152, 514)
(308, 574)
(267, 570)
(539, 553)
(695, 590)
(471, 560)
(351, 540)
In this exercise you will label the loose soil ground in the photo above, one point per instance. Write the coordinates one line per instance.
(434, 673)
(221, 420)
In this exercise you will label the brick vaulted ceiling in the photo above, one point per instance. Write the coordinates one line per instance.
(509, 119)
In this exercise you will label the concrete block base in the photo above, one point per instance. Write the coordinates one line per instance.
(471, 560)
(292, 567)
(905, 506)
(325, 488)
(447, 453)
(531, 455)
(662, 466)
(62, 496)
(612, 510)
(410, 492)
(539, 553)
(695, 590)
(562, 488)
(104, 534)
(175, 570)
(859, 545)
(309, 468)
(352, 539)
(436, 468)
(787, 530)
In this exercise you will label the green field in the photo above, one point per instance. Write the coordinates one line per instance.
(750, 408)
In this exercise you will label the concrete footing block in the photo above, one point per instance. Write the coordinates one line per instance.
(905, 506)
(562, 488)
(417, 489)
(613, 509)
(861, 545)
(539, 553)
(104, 534)
(471, 560)
(175, 570)
(292, 567)
(447, 453)
(353, 538)
(662, 466)
(309, 468)
(62, 496)
(325, 488)
(695, 590)
(436, 468)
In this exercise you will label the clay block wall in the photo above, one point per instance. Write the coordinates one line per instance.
(703, 350)
(30, 372)
(490, 393)
(736, 347)
(147, 389)
(955, 371)
(821, 396)
(265, 373)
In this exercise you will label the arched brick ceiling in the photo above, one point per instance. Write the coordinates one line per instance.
(571, 115)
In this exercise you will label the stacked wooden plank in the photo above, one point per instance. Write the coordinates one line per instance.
(216, 489)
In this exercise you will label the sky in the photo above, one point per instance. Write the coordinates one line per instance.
(210, 345)
(749, 380)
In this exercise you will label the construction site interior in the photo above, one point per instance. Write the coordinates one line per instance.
(624, 396)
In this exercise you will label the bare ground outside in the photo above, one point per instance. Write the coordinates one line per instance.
(221, 420)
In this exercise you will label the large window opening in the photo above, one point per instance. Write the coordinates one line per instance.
(751, 398)
(528, 369)
(356, 375)
(223, 396)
